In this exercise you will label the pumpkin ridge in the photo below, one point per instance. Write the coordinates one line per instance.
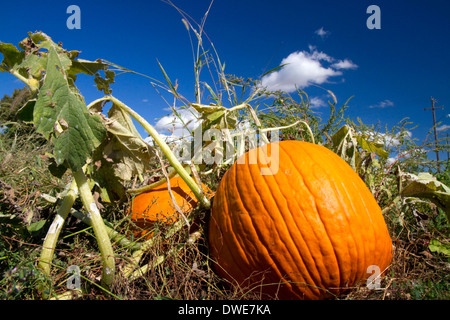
(235, 242)
(270, 260)
(262, 239)
(329, 246)
(360, 217)
(364, 244)
(349, 215)
(369, 247)
(272, 202)
(310, 268)
(353, 217)
(307, 277)
(360, 251)
(311, 260)
(239, 225)
(376, 224)
(289, 239)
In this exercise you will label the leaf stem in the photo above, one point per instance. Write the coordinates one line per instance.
(32, 83)
(98, 225)
(53, 232)
(121, 239)
(171, 174)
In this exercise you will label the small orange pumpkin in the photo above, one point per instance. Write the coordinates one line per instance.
(308, 231)
(156, 205)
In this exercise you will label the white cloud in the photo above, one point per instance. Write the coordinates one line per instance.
(319, 55)
(144, 100)
(390, 161)
(316, 102)
(178, 125)
(382, 104)
(321, 32)
(344, 64)
(174, 129)
(303, 68)
(444, 127)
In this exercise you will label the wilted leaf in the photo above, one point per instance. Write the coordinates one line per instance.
(122, 155)
(428, 187)
(344, 145)
(103, 84)
(127, 146)
(214, 116)
(372, 146)
(206, 109)
(93, 68)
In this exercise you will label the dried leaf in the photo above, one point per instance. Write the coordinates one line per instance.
(426, 186)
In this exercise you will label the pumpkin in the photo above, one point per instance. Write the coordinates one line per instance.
(156, 206)
(309, 230)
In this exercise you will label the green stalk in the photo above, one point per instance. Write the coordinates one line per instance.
(32, 83)
(257, 122)
(120, 239)
(308, 128)
(113, 235)
(204, 201)
(171, 174)
(98, 225)
(52, 236)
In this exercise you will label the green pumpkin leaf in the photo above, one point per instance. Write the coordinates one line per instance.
(87, 67)
(36, 227)
(372, 147)
(12, 56)
(25, 113)
(215, 116)
(61, 114)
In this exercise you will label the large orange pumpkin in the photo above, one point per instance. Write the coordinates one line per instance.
(310, 230)
(156, 205)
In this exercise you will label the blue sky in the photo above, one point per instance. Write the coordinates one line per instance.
(391, 72)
